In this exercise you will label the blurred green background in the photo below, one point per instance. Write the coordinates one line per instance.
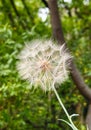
(22, 108)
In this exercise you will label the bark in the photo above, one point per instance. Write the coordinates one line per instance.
(79, 82)
(88, 118)
(55, 22)
(76, 76)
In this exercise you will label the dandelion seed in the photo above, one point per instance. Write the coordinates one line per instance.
(42, 63)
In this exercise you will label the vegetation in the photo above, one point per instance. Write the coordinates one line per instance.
(22, 108)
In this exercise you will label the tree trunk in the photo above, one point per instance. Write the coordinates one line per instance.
(55, 22)
(88, 117)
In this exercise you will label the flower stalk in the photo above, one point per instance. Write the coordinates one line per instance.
(70, 123)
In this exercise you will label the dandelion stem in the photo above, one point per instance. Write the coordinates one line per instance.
(62, 105)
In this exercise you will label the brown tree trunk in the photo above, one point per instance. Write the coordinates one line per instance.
(88, 117)
(55, 22)
(58, 35)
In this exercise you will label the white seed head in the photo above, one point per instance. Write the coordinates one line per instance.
(42, 63)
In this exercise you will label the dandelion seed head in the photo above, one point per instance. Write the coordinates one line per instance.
(42, 63)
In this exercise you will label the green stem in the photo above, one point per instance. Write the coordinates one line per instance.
(62, 105)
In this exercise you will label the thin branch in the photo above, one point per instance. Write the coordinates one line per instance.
(17, 14)
(27, 10)
(7, 12)
(45, 3)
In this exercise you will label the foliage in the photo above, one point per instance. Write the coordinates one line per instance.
(20, 107)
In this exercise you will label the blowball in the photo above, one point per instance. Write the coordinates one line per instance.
(41, 63)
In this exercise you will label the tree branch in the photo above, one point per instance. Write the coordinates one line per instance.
(7, 12)
(27, 10)
(58, 35)
(45, 3)
(17, 14)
